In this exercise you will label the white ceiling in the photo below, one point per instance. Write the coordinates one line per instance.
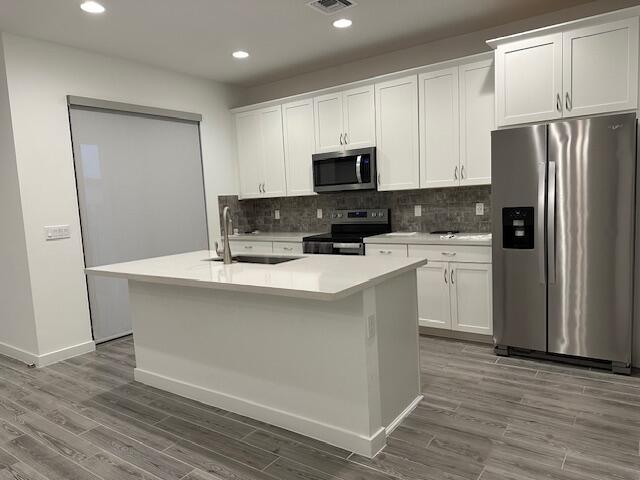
(284, 37)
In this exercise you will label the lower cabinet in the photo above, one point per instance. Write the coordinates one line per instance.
(452, 295)
(247, 247)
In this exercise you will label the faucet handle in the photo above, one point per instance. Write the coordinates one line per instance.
(219, 251)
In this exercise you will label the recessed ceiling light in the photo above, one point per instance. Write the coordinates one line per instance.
(92, 7)
(342, 23)
(240, 54)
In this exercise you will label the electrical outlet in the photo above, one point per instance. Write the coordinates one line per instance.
(479, 208)
(417, 211)
(276, 214)
(57, 232)
(319, 213)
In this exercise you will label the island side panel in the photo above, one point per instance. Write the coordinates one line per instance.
(296, 363)
(398, 347)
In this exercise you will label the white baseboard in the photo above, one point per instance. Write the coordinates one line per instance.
(351, 441)
(18, 354)
(64, 353)
(405, 413)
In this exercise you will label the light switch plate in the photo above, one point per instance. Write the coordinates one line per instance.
(417, 211)
(57, 232)
(479, 208)
(276, 214)
(319, 213)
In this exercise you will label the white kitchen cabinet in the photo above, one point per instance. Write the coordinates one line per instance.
(261, 153)
(601, 68)
(249, 139)
(397, 134)
(477, 120)
(328, 124)
(291, 248)
(434, 306)
(471, 301)
(345, 120)
(387, 250)
(439, 128)
(529, 80)
(244, 247)
(578, 71)
(359, 117)
(299, 146)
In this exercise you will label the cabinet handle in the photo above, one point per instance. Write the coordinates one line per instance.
(260, 187)
(455, 173)
(248, 247)
(568, 101)
(445, 276)
(288, 249)
(449, 254)
(379, 178)
(346, 141)
(385, 252)
(462, 172)
(341, 139)
(452, 276)
(558, 102)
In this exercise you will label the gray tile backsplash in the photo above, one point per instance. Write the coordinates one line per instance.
(442, 208)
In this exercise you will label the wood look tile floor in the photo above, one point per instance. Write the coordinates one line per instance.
(483, 417)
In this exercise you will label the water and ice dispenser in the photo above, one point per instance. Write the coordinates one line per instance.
(518, 228)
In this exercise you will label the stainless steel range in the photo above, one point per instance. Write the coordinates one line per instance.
(348, 231)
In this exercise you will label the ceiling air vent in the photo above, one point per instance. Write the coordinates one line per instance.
(329, 7)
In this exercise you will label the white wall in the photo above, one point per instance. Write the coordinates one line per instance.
(420, 55)
(17, 322)
(40, 76)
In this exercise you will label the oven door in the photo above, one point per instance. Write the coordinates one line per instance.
(333, 248)
(348, 170)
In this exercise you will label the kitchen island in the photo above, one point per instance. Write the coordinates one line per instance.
(324, 345)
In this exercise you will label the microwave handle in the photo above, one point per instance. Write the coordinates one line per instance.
(359, 168)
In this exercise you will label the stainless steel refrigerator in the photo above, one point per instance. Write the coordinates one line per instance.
(563, 203)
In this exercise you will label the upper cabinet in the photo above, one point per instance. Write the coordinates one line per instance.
(457, 115)
(600, 71)
(345, 120)
(261, 153)
(582, 71)
(397, 135)
(299, 145)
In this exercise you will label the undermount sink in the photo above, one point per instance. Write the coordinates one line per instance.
(262, 259)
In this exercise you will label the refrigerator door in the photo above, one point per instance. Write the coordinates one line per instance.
(518, 170)
(591, 235)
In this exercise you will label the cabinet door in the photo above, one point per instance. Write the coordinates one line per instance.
(359, 117)
(249, 247)
(601, 68)
(477, 119)
(439, 129)
(529, 80)
(434, 308)
(299, 145)
(250, 159)
(470, 286)
(328, 124)
(274, 180)
(397, 139)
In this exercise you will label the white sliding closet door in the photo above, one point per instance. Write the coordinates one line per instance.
(141, 195)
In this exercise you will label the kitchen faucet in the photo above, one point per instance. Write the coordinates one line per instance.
(226, 248)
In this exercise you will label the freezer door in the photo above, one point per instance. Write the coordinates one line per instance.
(518, 170)
(590, 236)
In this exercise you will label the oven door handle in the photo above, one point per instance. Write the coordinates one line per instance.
(347, 245)
(359, 168)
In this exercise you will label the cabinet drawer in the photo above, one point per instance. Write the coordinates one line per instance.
(239, 247)
(287, 247)
(386, 249)
(452, 253)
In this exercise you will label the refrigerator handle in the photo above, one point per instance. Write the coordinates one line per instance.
(551, 219)
(540, 221)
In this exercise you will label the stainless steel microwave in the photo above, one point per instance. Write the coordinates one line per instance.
(347, 170)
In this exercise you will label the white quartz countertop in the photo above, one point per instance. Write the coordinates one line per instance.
(416, 238)
(272, 236)
(319, 277)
